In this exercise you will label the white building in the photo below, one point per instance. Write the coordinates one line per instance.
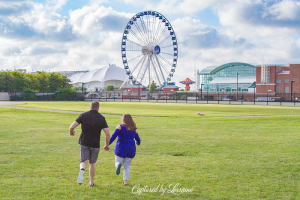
(98, 79)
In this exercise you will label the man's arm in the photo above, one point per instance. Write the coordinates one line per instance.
(72, 127)
(107, 139)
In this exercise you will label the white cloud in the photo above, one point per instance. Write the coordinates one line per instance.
(261, 14)
(56, 4)
(286, 10)
(93, 19)
(97, 2)
(175, 7)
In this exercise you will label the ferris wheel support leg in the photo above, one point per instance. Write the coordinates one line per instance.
(156, 72)
(146, 68)
(160, 69)
(126, 81)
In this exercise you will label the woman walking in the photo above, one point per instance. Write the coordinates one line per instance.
(125, 147)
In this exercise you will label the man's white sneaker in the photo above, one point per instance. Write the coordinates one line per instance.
(80, 177)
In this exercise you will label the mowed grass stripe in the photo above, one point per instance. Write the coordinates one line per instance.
(168, 109)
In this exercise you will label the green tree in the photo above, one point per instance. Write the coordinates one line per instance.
(152, 86)
(28, 94)
(19, 81)
(109, 88)
(56, 80)
(14, 81)
(43, 82)
(80, 89)
(65, 94)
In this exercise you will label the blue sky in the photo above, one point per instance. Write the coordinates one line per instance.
(86, 34)
(207, 15)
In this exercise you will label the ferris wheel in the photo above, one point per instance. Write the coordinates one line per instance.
(149, 49)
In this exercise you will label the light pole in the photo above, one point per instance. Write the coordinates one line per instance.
(254, 94)
(207, 96)
(82, 89)
(268, 97)
(139, 92)
(237, 86)
(292, 89)
(201, 90)
(218, 95)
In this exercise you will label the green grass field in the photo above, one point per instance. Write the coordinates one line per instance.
(168, 109)
(219, 158)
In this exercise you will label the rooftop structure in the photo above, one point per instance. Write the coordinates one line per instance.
(228, 77)
(98, 79)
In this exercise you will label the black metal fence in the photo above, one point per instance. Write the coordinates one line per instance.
(194, 97)
(43, 96)
(172, 97)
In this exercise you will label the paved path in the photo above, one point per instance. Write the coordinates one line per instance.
(4, 103)
(10, 103)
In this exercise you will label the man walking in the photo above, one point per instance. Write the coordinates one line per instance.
(92, 122)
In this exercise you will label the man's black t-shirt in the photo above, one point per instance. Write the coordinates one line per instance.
(92, 122)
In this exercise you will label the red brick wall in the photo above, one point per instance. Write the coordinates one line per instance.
(295, 75)
(258, 75)
(170, 89)
(135, 89)
(273, 74)
(265, 88)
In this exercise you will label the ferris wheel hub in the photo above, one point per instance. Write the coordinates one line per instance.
(147, 50)
(150, 50)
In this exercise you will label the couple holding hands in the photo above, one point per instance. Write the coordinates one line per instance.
(92, 122)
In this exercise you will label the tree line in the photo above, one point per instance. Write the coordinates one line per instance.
(14, 81)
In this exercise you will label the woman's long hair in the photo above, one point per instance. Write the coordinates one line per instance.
(129, 123)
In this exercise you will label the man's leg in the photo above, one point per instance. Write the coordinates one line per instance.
(92, 173)
(82, 167)
(83, 164)
(84, 157)
(93, 160)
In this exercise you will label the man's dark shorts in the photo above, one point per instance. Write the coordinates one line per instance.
(89, 153)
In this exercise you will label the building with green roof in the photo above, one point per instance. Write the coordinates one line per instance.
(226, 77)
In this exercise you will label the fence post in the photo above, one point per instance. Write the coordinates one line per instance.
(207, 97)
(186, 97)
(254, 96)
(166, 97)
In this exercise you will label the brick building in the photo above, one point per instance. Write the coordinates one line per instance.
(278, 79)
(136, 88)
(170, 88)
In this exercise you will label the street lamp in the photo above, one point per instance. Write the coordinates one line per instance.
(237, 86)
(254, 94)
(292, 89)
(82, 89)
(201, 90)
(268, 97)
(207, 96)
(139, 91)
(218, 94)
